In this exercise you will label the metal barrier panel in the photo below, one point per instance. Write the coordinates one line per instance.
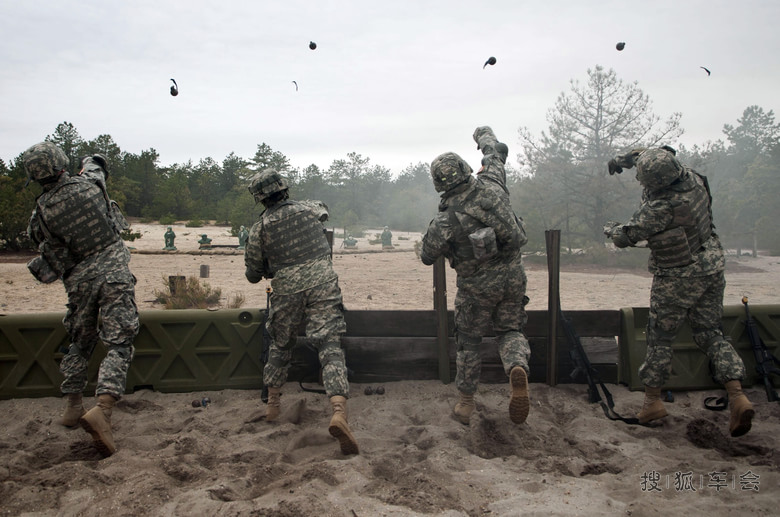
(180, 350)
(190, 350)
(30, 351)
(690, 366)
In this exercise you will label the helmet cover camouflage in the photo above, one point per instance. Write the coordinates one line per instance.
(449, 170)
(43, 162)
(657, 169)
(265, 183)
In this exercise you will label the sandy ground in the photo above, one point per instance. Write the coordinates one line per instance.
(567, 459)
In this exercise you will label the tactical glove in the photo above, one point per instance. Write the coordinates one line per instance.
(613, 167)
(619, 236)
(481, 130)
(609, 228)
(623, 161)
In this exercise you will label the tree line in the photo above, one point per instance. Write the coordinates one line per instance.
(559, 179)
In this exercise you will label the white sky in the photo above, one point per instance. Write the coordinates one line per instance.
(396, 81)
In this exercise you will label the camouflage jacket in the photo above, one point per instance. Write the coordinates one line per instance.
(492, 174)
(656, 215)
(292, 278)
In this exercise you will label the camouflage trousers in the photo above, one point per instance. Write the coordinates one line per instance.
(102, 309)
(700, 301)
(496, 297)
(323, 309)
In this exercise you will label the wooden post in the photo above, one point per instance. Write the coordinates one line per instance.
(553, 240)
(440, 307)
(329, 236)
(176, 281)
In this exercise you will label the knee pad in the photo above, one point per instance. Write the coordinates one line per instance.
(125, 352)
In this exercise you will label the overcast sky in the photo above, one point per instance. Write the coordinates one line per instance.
(396, 81)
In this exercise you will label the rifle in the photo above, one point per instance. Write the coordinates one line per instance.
(583, 365)
(766, 363)
(266, 340)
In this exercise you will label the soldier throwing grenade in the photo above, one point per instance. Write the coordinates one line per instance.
(687, 262)
(477, 231)
(77, 232)
(288, 245)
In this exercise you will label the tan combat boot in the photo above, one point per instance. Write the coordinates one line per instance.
(274, 406)
(464, 408)
(519, 402)
(339, 428)
(97, 422)
(653, 408)
(74, 409)
(742, 411)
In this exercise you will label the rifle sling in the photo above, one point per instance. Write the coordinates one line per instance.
(592, 375)
(716, 403)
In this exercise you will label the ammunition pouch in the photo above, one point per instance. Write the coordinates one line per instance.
(58, 258)
(42, 270)
(117, 217)
(483, 243)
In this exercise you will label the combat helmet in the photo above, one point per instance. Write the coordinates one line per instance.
(657, 169)
(44, 162)
(449, 170)
(265, 183)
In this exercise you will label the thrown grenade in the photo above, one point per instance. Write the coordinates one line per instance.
(196, 403)
(369, 390)
(312, 45)
(491, 61)
(621, 45)
(380, 390)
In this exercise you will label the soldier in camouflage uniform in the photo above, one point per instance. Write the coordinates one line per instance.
(480, 235)
(78, 236)
(687, 262)
(288, 246)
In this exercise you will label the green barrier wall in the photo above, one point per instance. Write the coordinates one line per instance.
(690, 366)
(190, 350)
(174, 351)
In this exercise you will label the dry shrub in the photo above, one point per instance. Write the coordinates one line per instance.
(236, 301)
(187, 294)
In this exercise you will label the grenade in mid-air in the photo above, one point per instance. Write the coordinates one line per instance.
(312, 45)
(491, 61)
(621, 45)
(174, 88)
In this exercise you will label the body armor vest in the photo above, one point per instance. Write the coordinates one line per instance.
(691, 224)
(76, 216)
(293, 235)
